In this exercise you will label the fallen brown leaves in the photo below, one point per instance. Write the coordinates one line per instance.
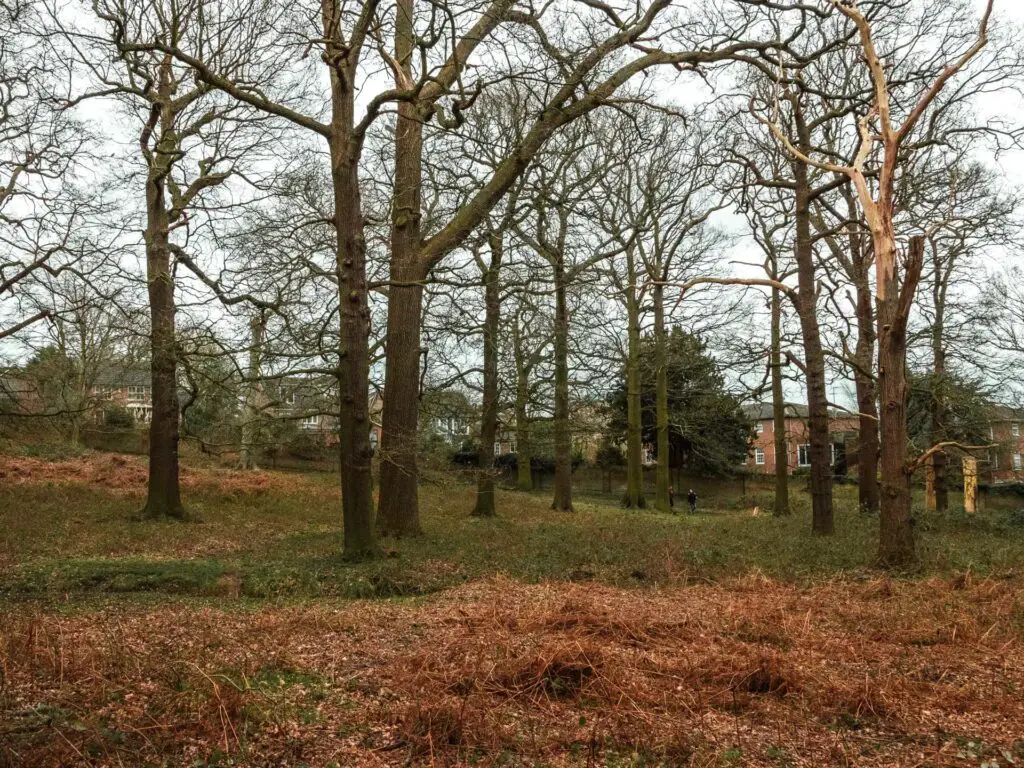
(122, 474)
(755, 672)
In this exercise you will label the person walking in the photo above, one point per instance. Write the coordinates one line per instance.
(692, 498)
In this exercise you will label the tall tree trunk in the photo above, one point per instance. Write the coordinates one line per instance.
(163, 495)
(662, 477)
(489, 421)
(354, 323)
(814, 360)
(867, 406)
(896, 541)
(253, 395)
(398, 511)
(563, 438)
(864, 380)
(781, 504)
(634, 425)
(939, 386)
(524, 449)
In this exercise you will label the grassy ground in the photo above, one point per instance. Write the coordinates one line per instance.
(276, 535)
(605, 637)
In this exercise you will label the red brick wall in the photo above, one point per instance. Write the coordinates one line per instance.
(796, 435)
(1010, 445)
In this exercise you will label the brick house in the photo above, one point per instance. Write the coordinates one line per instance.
(130, 388)
(761, 459)
(1006, 431)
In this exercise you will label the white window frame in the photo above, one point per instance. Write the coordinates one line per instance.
(1015, 429)
(497, 448)
(288, 397)
(137, 391)
(1018, 462)
(311, 421)
(759, 427)
(759, 457)
(804, 448)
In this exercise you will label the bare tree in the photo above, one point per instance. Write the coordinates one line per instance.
(884, 142)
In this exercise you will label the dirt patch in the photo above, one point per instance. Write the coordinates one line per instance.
(498, 673)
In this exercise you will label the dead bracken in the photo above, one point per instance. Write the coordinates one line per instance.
(553, 674)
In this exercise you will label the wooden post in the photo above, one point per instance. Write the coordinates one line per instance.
(970, 484)
(929, 484)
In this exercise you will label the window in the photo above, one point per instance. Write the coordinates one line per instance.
(1015, 428)
(803, 455)
(137, 391)
(759, 456)
(759, 427)
(995, 460)
(497, 448)
(832, 454)
(311, 421)
(287, 397)
(1017, 462)
(991, 433)
(512, 447)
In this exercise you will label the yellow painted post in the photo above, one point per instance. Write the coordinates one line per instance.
(970, 484)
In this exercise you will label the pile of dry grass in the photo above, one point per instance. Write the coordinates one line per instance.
(754, 672)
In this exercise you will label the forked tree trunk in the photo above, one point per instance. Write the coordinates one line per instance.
(398, 510)
(489, 418)
(563, 437)
(354, 324)
(814, 360)
(896, 547)
(781, 505)
(634, 425)
(662, 477)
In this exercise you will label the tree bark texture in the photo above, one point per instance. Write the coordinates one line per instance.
(355, 454)
(781, 505)
(814, 360)
(524, 449)
(896, 546)
(163, 492)
(634, 425)
(398, 510)
(563, 437)
(662, 472)
(489, 418)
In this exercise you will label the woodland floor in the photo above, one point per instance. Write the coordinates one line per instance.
(604, 638)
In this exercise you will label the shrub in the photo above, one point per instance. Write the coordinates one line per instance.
(311, 447)
(118, 416)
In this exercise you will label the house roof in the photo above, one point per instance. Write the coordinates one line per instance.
(764, 412)
(129, 376)
(1006, 413)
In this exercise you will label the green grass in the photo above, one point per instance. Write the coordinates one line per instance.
(70, 541)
